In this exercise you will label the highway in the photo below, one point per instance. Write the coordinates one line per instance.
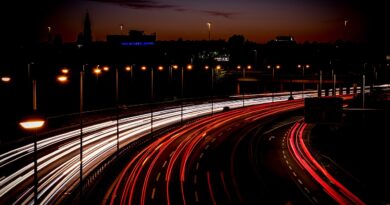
(198, 163)
(59, 156)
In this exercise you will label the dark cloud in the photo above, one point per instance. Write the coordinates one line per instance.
(221, 14)
(140, 4)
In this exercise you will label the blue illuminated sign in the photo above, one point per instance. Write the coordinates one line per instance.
(137, 43)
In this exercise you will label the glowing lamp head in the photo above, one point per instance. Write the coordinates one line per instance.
(128, 68)
(6, 79)
(64, 71)
(189, 67)
(143, 68)
(206, 67)
(97, 71)
(218, 67)
(32, 124)
(160, 68)
(249, 67)
(106, 68)
(62, 79)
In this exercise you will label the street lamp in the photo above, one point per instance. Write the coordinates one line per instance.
(303, 75)
(209, 27)
(34, 123)
(5, 79)
(144, 68)
(273, 77)
(218, 67)
(170, 78)
(189, 67)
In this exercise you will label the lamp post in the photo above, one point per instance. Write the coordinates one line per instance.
(320, 86)
(273, 77)
(34, 123)
(117, 108)
(303, 76)
(144, 68)
(334, 84)
(96, 71)
(209, 27)
(218, 67)
(189, 67)
(363, 91)
(171, 78)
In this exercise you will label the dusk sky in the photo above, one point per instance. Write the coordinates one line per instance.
(257, 20)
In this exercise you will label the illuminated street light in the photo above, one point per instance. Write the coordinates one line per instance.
(34, 123)
(106, 68)
(62, 78)
(209, 27)
(303, 75)
(64, 71)
(5, 79)
(189, 67)
(97, 71)
(144, 68)
(273, 76)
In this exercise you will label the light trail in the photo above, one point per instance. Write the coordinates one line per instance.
(59, 166)
(331, 185)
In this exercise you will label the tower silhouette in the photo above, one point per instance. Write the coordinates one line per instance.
(87, 34)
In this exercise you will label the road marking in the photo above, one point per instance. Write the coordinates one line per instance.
(315, 199)
(295, 174)
(196, 196)
(153, 192)
(220, 134)
(158, 176)
(170, 155)
(207, 146)
(197, 165)
(286, 162)
(289, 167)
(284, 156)
(307, 190)
(195, 179)
(165, 163)
(300, 181)
(212, 140)
(201, 155)
(283, 152)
